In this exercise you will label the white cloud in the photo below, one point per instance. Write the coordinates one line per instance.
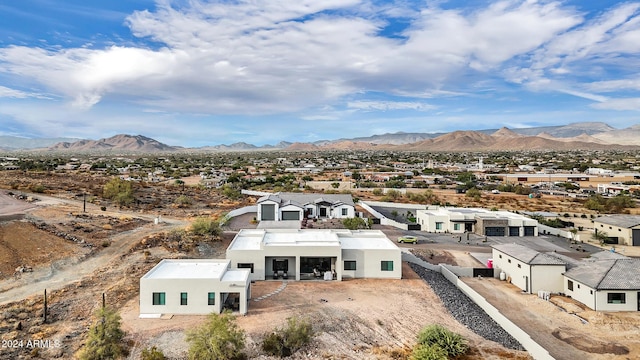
(389, 105)
(619, 104)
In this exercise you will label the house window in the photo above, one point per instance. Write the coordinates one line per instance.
(578, 286)
(519, 266)
(211, 298)
(246, 266)
(438, 226)
(570, 285)
(509, 261)
(345, 212)
(158, 298)
(456, 226)
(591, 292)
(183, 298)
(349, 265)
(616, 298)
(386, 265)
(500, 256)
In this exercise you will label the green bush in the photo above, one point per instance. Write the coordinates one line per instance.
(119, 191)
(152, 354)
(105, 337)
(452, 343)
(428, 352)
(219, 338)
(205, 226)
(284, 342)
(183, 200)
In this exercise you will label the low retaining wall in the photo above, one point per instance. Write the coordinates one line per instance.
(534, 349)
(548, 230)
(383, 219)
(238, 212)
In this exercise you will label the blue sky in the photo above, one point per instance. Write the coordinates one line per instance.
(196, 73)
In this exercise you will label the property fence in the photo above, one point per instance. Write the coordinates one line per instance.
(237, 212)
(383, 219)
(548, 230)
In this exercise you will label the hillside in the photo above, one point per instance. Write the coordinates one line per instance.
(137, 143)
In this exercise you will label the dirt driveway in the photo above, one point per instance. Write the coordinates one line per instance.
(559, 325)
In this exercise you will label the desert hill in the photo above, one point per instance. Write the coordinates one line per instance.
(122, 142)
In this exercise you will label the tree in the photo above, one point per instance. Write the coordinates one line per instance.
(474, 193)
(354, 223)
(219, 338)
(335, 185)
(105, 337)
(119, 191)
(152, 354)
(600, 236)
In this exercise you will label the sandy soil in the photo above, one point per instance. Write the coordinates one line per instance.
(558, 324)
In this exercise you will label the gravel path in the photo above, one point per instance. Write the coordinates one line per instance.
(465, 310)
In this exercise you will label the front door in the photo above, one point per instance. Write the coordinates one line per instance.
(638, 300)
(323, 212)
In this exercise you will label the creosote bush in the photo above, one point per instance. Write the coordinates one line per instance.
(152, 354)
(284, 342)
(219, 338)
(436, 337)
(205, 226)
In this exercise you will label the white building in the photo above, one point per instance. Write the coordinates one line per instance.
(296, 206)
(621, 229)
(528, 269)
(475, 220)
(193, 286)
(606, 285)
(312, 253)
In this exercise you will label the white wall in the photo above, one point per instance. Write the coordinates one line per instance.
(337, 212)
(519, 275)
(197, 296)
(368, 263)
(548, 278)
(631, 301)
(580, 292)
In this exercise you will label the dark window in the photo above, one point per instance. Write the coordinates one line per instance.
(246, 266)
(386, 265)
(578, 286)
(349, 265)
(509, 261)
(570, 285)
(158, 298)
(519, 266)
(500, 256)
(211, 298)
(345, 212)
(616, 298)
(183, 298)
(591, 292)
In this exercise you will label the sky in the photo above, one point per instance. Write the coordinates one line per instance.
(196, 73)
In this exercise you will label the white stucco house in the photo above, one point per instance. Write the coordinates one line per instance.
(296, 206)
(306, 254)
(605, 285)
(194, 287)
(528, 269)
(475, 220)
(621, 229)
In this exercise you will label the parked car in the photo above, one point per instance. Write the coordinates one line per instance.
(408, 239)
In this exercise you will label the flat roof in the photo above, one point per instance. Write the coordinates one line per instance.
(256, 239)
(189, 269)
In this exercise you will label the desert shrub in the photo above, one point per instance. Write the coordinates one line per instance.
(219, 338)
(284, 342)
(183, 200)
(354, 223)
(105, 337)
(118, 191)
(452, 343)
(38, 188)
(205, 226)
(428, 352)
(474, 193)
(377, 191)
(152, 354)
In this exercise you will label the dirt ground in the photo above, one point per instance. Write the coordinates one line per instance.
(566, 328)
(352, 319)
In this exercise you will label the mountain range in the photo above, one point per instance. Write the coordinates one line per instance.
(586, 135)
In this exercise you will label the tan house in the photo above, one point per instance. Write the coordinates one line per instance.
(621, 229)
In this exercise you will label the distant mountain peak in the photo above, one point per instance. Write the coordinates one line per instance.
(504, 132)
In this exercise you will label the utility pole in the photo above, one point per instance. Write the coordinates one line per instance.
(84, 202)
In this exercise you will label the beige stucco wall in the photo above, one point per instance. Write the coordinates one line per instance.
(631, 301)
(624, 235)
(518, 276)
(580, 292)
(368, 263)
(547, 278)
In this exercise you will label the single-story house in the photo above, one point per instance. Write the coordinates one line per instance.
(306, 254)
(621, 229)
(605, 285)
(296, 206)
(194, 287)
(476, 220)
(528, 269)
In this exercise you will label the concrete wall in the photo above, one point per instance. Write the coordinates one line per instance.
(238, 212)
(534, 349)
(543, 229)
(548, 278)
(384, 220)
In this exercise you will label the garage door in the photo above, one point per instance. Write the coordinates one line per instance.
(514, 231)
(268, 212)
(494, 231)
(290, 215)
(529, 230)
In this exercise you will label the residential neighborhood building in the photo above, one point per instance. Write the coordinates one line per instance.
(307, 254)
(194, 287)
(528, 269)
(296, 206)
(621, 229)
(605, 285)
(475, 220)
